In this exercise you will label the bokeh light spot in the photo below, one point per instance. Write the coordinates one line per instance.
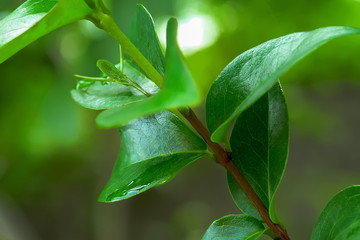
(194, 33)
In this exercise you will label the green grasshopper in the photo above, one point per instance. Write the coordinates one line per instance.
(113, 75)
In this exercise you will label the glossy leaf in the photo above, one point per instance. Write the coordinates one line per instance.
(113, 95)
(179, 89)
(153, 150)
(253, 73)
(340, 219)
(144, 37)
(235, 227)
(260, 141)
(35, 18)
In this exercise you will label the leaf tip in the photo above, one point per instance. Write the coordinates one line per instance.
(140, 7)
(101, 122)
(171, 29)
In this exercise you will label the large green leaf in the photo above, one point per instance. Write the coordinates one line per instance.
(340, 219)
(144, 37)
(109, 95)
(253, 73)
(260, 141)
(179, 89)
(35, 18)
(235, 227)
(153, 150)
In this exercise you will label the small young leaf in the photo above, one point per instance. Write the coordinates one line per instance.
(235, 227)
(340, 218)
(179, 89)
(253, 73)
(100, 96)
(260, 141)
(153, 150)
(144, 37)
(35, 18)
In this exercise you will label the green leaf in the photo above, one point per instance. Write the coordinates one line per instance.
(153, 150)
(113, 95)
(144, 37)
(260, 142)
(179, 89)
(35, 18)
(253, 73)
(94, 4)
(235, 227)
(340, 219)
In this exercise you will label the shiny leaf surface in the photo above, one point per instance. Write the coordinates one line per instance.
(253, 73)
(35, 18)
(144, 37)
(340, 218)
(235, 227)
(153, 150)
(260, 141)
(179, 89)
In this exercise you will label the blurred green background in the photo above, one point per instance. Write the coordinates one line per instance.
(54, 160)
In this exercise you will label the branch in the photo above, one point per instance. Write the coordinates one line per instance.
(107, 23)
(224, 158)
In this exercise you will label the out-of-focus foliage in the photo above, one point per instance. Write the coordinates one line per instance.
(36, 18)
(340, 219)
(54, 161)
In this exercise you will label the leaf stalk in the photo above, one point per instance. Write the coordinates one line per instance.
(224, 159)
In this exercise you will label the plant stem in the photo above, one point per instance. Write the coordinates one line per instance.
(107, 23)
(224, 158)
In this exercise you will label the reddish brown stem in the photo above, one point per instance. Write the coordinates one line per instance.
(224, 158)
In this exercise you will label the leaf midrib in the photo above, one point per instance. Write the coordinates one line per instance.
(169, 154)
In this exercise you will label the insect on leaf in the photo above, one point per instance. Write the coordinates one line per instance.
(179, 89)
(100, 95)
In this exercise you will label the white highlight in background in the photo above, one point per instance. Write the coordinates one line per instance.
(194, 33)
